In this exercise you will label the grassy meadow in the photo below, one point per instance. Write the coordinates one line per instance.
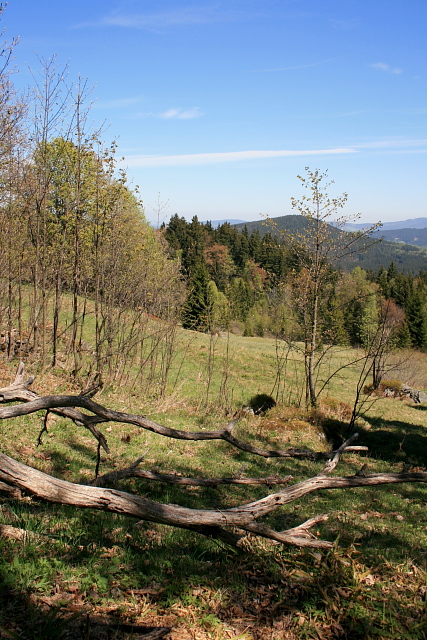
(86, 574)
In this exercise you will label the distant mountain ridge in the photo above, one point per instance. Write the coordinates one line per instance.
(411, 223)
(403, 247)
(217, 223)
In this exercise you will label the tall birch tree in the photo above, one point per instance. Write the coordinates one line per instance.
(321, 245)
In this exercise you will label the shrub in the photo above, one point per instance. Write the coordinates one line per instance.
(395, 386)
(261, 403)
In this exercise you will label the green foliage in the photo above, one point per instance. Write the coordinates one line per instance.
(406, 258)
(368, 321)
(416, 315)
(197, 309)
(219, 308)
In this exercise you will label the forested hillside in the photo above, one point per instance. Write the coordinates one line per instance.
(249, 280)
(407, 259)
(417, 237)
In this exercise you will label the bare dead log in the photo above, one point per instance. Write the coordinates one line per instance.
(19, 389)
(65, 406)
(11, 492)
(205, 521)
(111, 479)
(218, 523)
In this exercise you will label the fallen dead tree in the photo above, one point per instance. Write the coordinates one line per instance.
(111, 479)
(65, 406)
(230, 525)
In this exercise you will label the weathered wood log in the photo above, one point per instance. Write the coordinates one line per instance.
(220, 524)
(11, 492)
(66, 406)
(111, 479)
(205, 521)
(19, 390)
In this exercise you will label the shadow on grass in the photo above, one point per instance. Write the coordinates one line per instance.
(269, 592)
(395, 441)
(287, 595)
(23, 616)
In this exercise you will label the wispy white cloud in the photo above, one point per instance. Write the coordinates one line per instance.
(228, 156)
(170, 114)
(194, 12)
(181, 114)
(183, 16)
(392, 143)
(381, 66)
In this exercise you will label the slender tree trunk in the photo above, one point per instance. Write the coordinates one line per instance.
(312, 349)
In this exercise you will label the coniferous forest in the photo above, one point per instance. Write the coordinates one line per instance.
(245, 281)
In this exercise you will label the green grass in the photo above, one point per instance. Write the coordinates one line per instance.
(372, 585)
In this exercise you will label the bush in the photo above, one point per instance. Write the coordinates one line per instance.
(395, 386)
(386, 389)
(261, 403)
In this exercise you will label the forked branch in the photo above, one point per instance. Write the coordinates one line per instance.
(212, 523)
(66, 406)
(230, 525)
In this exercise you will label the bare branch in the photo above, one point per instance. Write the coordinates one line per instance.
(19, 390)
(61, 405)
(298, 536)
(204, 521)
(15, 476)
(111, 479)
(332, 463)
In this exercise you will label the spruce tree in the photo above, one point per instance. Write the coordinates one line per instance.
(196, 312)
(416, 317)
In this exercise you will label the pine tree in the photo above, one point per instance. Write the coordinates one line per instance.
(196, 312)
(416, 317)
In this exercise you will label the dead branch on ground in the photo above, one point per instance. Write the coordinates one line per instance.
(211, 523)
(65, 406)
(230, 525)
(112, 478)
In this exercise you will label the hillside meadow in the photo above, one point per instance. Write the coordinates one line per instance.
(86, 574)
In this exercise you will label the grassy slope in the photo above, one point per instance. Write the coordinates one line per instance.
(372, 586)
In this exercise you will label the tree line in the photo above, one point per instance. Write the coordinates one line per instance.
(85, 279)
(82, 273)
(248, 280)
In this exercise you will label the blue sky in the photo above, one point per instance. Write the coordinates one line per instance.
(219, 105)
